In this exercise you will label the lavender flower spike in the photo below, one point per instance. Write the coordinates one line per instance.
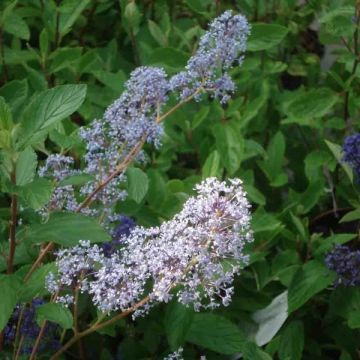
(219, 48)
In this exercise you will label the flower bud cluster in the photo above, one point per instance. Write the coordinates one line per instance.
(346, 263)
(29, 329)
(194, 256)
(351, 152)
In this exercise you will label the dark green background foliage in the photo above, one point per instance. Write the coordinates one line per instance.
(297, 98)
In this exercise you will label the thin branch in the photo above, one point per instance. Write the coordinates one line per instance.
(37, 341)
(12, 229)
(98, 326)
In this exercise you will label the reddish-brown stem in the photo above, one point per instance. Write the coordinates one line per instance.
(98, 326)
(37, 341)
(39, 260)
(12, 228)
(120, 168)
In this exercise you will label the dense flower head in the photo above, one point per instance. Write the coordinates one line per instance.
(219, 48)
(194, 256)
(351, 152)
(29, 329)
(346, 263)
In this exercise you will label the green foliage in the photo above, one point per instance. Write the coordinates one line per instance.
(56, 313)
(297, 97)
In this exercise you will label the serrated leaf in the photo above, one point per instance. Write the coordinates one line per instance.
(212, 166)
(9, 287)
(70, 14)
(313, 104)
(309, 280)
(37, 193)
(215, 333)
(265, 36)
(26, 167)
(157, 33)
(66, 229)
(15, 25)
(15, 92)
(230, 145)
(56, 313)
(292, 341)
(351, 216)
(35, 286)
(337, 152)
(46, 109)
(178, 319)
(6, 120)
(138, 184)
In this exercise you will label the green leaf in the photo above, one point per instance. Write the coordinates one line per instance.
(15, 92)
(354, 320)
(265, 36)
(199, 117)
(252, 352)
(157, 191)
(212, 166)
(328, 243)
(37, 193)
(6, 120)
(157, 33)
(66, 229)
(292, 341)
(44, 42)
(46, 109)
(275, 157)
(171, 59)
(270, 319)
(15, 25)
(178, 319)
(138, 184)
(56, 313)
(312, 278)
(77, 179)
(315, 103)
(9, 287)
(215, 333)
(35, 286)
(345, 10)
(26, 167)
(131, 17)
(70, 12)
(230, 145)
(337, 152)
(351, 216)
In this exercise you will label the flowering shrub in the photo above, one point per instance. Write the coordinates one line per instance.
(179, 179)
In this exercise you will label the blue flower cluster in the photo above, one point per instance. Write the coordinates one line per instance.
(219, 48)
(351, 152)
(29, 329)
(346, 263)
